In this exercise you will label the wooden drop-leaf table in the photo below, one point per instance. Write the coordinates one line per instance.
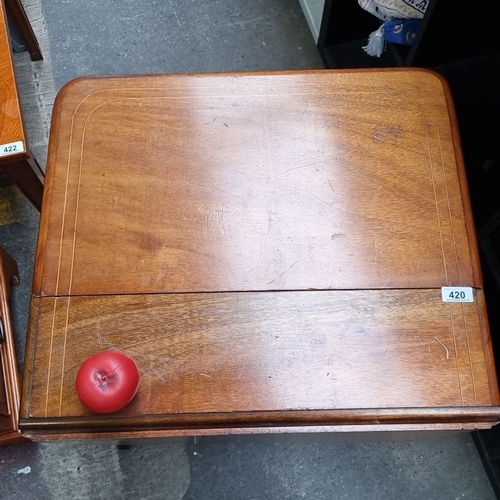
(271, 250)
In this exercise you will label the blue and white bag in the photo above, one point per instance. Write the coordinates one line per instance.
(401, 21)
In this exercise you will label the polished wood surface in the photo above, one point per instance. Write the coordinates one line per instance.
(267, 352)
(278, 182)
(9, 380)
(11, 125)
(270, 250)
(22, 168)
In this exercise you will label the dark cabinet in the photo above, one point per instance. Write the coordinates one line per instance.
(449, 32)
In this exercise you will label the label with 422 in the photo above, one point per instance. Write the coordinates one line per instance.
(11, 148)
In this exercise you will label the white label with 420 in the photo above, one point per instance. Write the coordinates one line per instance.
(457, 294)
(12, 148)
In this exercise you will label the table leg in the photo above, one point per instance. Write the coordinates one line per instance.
(10, 269)
(28, 177)
(17, 14)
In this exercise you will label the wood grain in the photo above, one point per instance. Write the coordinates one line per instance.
(269, 248)
(266, 352)
(254, 182)
(22, 168)
(11, 125)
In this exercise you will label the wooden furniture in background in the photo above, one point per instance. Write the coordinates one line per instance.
(269, 248)
(16, 160)
(9, 381)
(17, 15)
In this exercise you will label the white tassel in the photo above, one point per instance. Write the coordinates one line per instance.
(376, 43)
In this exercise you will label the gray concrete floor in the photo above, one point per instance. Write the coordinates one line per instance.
(137, 36)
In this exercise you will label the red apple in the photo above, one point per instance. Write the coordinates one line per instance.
(107, 381)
